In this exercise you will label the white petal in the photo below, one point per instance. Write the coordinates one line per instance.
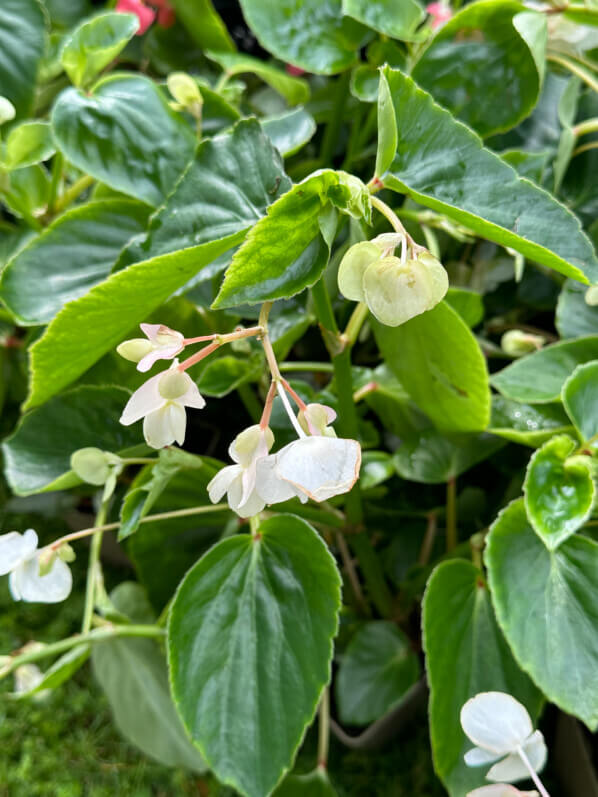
(16, 548)
(193, 398)
(222, 481)
(536, 751)
(178, 421)
(161, 427)
(163, 353)
(269, 485)
(501, 790)
(27, 584)
(510, 768)
(476, 757)
(496, 722)
(151, 330)
(254, 503)
(144, 400)
(320, 466)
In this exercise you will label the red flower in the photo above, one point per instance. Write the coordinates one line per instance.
(440, 14)
(166, 16)
(144, 14)
(295, 71)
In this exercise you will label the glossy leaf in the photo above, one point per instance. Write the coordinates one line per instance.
(467, 303)
(124, 134)
(439, 363)
(27, 191)
(527, 424)
(466, 653)
(559, 490)
(69, 257)
(22, 42)
(442, 165)
(574, 317)
(236, 637)
(580, 397)
(133, 674)
(539, 377)
(220, 377)
(498, 80)
(27, 144)
(37, 455)
(397, 20)
(111, 310)
(204, 24)
(314, 784)
(295, 90)
(290, 131)
(543, 600)
(376, 670)
(311, 34)
(95, 43)
(376, 468)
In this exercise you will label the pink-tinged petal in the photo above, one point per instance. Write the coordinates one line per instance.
(16, 548)
(192, 398)
(27, 584)
(320, 467)
(150, 330)
(144, 400)
(269, 485)
(165, 353)
(222, 482)
(144, 14)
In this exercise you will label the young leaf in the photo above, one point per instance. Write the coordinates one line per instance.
(124, 134)
(22, 43)
(205, 26)
(95, 43)
(27, 144)
(442, 164)
(539, 377)
(467, 303)
(559, 490)
(574, 317)
(236, 637)
(527, 424)
(439, 363)
(397, 20)
(376, 670)
(581, 401)
(37, 456)
(295, 90)
(70, 256)
(543, 601)
(465, 654)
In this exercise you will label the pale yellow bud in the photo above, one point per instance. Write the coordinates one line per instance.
(185, 91)
(66, 553)
(135, 349)
(516, 343)
(91, 464)
(7, 110)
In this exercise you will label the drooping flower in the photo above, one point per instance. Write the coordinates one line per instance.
(20, 557)
(502, 729)
(161, 402)
(144, 14)
(239, 481)
(501, 790)
(162, 343)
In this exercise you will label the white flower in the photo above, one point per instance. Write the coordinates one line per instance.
(162, 343)
(19, 557)
(502, 729)
(239, 480)
(501, 790)
(161, 402)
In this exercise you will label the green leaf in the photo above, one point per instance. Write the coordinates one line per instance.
(203, 23)
(62, 669)
(433, 457)
(236, 637)
(124, 134)
(574, 317)
(365, 80)
(313, 784)
(442, 165)
(388, 129)
(467, 303)
(289, 131)
(110, 310)
(581, 401)
(95, 43)
(294, 89)
(22, 43)
(544, 601)
(439, 363)
(285, 252)
(37, 456)
(133, 674)
(376, 670)
(465, 654)
(539, 377)
(527, 424)
(397, 20)
(498, 80)
(328, 41)
(28, 192)
(376, 468)
(220, 377)
(70, 256)
(27, 144)
(559, 490)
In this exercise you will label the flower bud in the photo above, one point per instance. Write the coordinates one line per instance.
(134, 350)
(66, 553)
(185, 91)
(516, 343)
(591, 296)
(314, 419)
(246, 444)
(45, 561)
(352, 268)
(173, 384)
(92, 465)
(7, 110)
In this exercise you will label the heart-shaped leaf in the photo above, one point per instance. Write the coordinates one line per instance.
(580, 397)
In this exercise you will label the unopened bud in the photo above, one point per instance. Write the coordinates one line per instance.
(92, 465)
(173, 384)
(591, 296)
(135, 349)
(352, 268)
(516, 343)
(45, 561)
(314, 419)
(66, 553)
(247, 444)
(7, 110)
(185, 91)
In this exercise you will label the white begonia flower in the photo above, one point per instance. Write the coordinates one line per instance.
(239, 481)
(501, 790)
(19, 557)
(315, 420)
(162, 343)
(501, 727)
(161, 402)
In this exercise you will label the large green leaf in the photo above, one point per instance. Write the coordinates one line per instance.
(539, 377)
(294, 89)
(575, 318)
(466, 653)
(250, 632)
(443, 165)
(546, 604)
(527, 424)
(87, 328)
(397, 20)
(133, 674)
(203, 23)
(37, 455)
(439, 363)
(289, 131)
(27, 144)
(580, 397)
(22, 41)
(498, 80)
(124, 134)
(285, 252)
(70, 256)
(312, 34)
(376, 670)
(559, 490)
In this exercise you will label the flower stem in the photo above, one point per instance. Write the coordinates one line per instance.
(533, 774)
(323, 368)
(93, 569)
(324, 729)
(357, 320)
(392, 217)
(451, 514)
(72, 193)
